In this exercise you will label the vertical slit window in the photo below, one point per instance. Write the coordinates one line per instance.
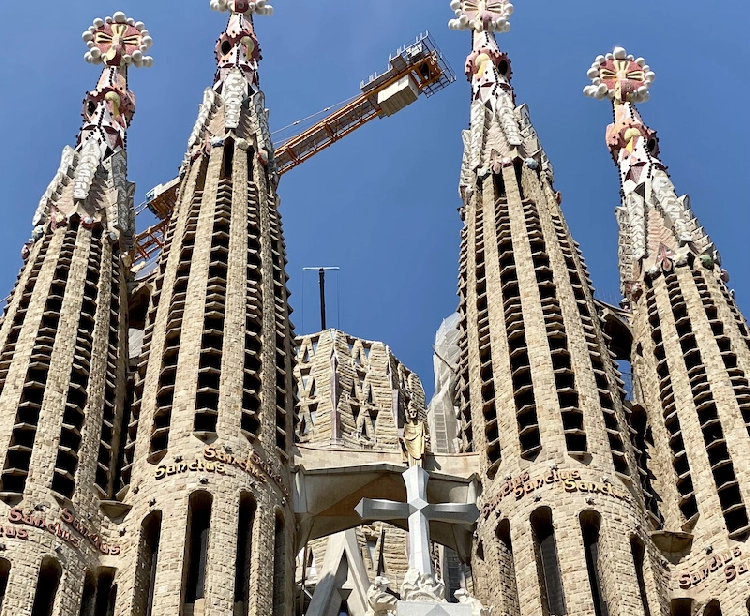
(548, 565)
(176, 311)
(196, 546)
(590, 524)
(243, 561)
(712, 609)
(279, 567)
(638, 550)
(4, 574)
(507, 569)
(148, 555)
(46, 587)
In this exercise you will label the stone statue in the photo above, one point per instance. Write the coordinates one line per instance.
(415, 436)
(382, 603)
(476, 607)
(420, 586)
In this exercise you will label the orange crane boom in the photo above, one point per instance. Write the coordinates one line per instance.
(415, 69)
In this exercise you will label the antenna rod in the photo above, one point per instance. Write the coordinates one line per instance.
(322, 281)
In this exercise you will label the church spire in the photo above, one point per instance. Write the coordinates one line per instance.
(236, 83)
(117, 42)
(500, 132)
(657, 228)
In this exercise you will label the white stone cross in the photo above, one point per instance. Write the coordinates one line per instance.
(419, 512)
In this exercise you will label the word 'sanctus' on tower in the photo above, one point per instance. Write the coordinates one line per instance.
(541, 399)
(690, 358)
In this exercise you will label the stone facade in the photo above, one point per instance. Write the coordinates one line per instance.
(167, 446)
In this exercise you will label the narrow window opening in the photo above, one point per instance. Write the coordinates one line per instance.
(712, 609)
(228, 159)
(148, 553)
(639, 556)
(279, 568)
(106, 593)
(89, 595)
(590, 524)
(196, 546)
(244, 553)
(4, 573)
(46, 588)
(548, 566)
(681, 607)
(507, 569)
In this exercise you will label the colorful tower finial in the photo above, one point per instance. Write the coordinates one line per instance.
(481, 15)
(657, 228)
(495, 138)
(242, 7)
(118, 41)
(621, 77)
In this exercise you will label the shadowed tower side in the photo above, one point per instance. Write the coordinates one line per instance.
(541, 399)
(691, 352)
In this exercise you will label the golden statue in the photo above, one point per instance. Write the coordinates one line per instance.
(415, 436)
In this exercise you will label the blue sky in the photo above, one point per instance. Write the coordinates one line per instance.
(382, 203)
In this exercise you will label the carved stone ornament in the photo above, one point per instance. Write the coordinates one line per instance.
(381, 602)
(621, 77)
(243, 7)
(487, 15)
(118, 41)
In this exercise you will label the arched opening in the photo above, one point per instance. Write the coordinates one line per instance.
(196, 547)
(507, 569)
(148, 556)
(244, 553)
(4, 574)
(548, 565)
(681, 607)
(46, 587)
(279, 566)
(712, 609)
(590, 525)
(638, 550)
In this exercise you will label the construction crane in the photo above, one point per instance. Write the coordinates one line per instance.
(415, 69)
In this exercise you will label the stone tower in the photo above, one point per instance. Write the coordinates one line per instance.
(690, 357)
(64, 349)
(541, 399)
(209, 444)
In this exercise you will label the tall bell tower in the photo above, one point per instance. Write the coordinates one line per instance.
(541, 397)
(691, 350)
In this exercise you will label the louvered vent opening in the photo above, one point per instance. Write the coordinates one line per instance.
(567, 393)
(212, 342)
(108, 442)
(281, 312)
(733, 508)
(13, 478)
(250, 421)
(687, 502)
(593, 335)
(74, 415)
(523, 389)
(462, 383)
(176, 310)
(9, 348)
